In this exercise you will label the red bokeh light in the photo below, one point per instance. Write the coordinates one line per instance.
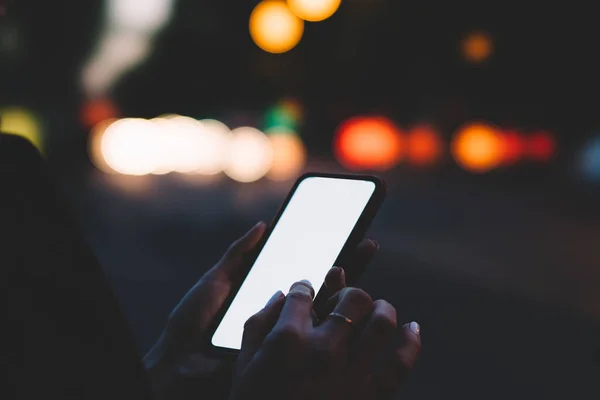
(368, 143)
(424, 145)
(95, 111)
(541, 146)
(514, 146)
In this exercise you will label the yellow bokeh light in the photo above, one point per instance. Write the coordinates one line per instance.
(314, 10)
(21, 122)
(477, 47)
(289, 156)
(478, 147)
(274, 28)
(249, 155)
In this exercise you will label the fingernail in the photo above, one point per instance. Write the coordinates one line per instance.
(259, 223)
(414, 328)
(306, 282)
(305, 288)
(375, 243)
(274, 298)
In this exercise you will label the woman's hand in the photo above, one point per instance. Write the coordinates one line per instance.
(286, 355)
(178, 366)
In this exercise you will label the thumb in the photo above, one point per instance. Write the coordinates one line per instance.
(258, 327)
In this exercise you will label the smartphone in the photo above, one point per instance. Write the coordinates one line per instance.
(323, 218)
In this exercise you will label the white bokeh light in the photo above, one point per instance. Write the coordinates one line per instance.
(249, 155)
(129, 146)
(117, 53)
(145, 16)
(213, 146)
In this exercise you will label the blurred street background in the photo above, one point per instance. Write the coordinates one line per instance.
(175, 125)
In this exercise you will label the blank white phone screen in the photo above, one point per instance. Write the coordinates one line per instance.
(304, 244)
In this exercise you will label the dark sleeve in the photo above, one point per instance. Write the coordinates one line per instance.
(66, 335)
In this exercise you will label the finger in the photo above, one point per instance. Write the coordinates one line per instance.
(397, 369)
(259, 325)
(335, 280)
(355, 265)
(337, 277)
(231, 264)
(379, 331)
(296, 314)
(354, 304)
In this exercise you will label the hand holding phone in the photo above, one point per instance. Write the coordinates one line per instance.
(323, 217)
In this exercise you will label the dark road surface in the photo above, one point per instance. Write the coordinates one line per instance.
(505, 284)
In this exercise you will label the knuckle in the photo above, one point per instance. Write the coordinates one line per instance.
(300, 295)
(358, 297)
(234, 250)
(253, 320)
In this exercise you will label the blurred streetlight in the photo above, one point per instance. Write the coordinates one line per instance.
(289, 155)
(477, 47)
(477, 147)
(22, 122)
(249, 155)
(274, 28)
(314, 10)
(129, 146)
(424, 145)
(145, 16)
(369, 143)
(541, 146)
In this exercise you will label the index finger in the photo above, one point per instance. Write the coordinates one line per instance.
(296, 313)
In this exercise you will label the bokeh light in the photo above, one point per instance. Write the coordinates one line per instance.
(289, 155)
(424, 145)
(116, 53)
(214, 144)
(95, 145)
(97, 110)
(139, 15)
(285, 115)
(274, 28)
(249, 155)
(514, 146)
(478, 147)
(129, 146)
(314, 10)
(541, 146)
(22, 122)
(477, 47)
(589, 161)
(369, 143)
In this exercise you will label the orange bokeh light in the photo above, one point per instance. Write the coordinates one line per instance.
(478, 147)
(95, 111)
(424, 146)
(514, 147)
(541, 146)
(369, 143)
(477, 47)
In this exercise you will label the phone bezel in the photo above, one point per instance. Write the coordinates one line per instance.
(357, 234)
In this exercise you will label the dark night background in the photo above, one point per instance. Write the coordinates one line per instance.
(502, 270)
